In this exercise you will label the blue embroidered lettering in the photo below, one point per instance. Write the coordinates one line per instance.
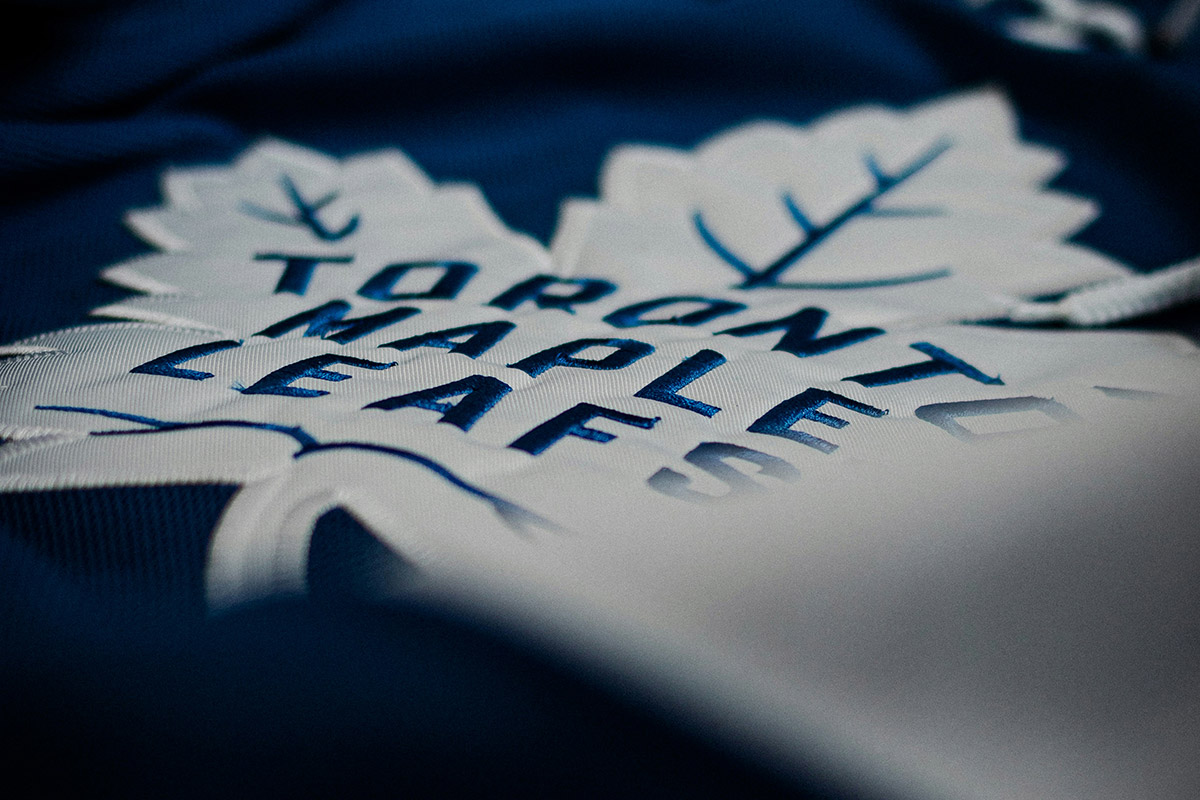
(626, 352)
(779, 420)
(571, 423)
(298, 269)
(455, 275)
(940, 363)
(710, 308)
(279, 381)
(590, 290)
(945, 415)
(480, 338)
(664, 388)
(167, 365)
(800, 333)
(712, 457)
(482, 393)
(327, 321)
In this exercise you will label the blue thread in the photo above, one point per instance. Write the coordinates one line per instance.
(779, 420)
(305, 213)
(158, 426)
(327, 321)
(571, 423)
(455, 275)
(718, 247)
(591, 289)
(673, 484)
(167, 366)
(741, 266)
(712, 457)
(905, 212)
(1129, 394)
(797, 214)
(664, 388)
(631, 316)
(279, 382)
(876, 171)
(298, 269)
(359, 327)
(769, 276)
(940, 363)
(512, 514)
(898, 280)
(800, 333)
(627, 351)
(482, 393)
(945, 415)
(481, 338)
(319, 320)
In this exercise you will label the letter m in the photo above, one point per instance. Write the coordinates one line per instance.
(329, 322)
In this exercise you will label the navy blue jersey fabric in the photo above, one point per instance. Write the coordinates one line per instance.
(110, 671)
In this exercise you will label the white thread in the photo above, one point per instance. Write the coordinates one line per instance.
(1119, 300)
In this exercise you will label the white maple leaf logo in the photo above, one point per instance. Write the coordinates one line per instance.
(308, 323)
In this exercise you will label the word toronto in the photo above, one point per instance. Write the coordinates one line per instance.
(463, 402)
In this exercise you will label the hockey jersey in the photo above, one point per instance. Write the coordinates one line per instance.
(684, 397)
